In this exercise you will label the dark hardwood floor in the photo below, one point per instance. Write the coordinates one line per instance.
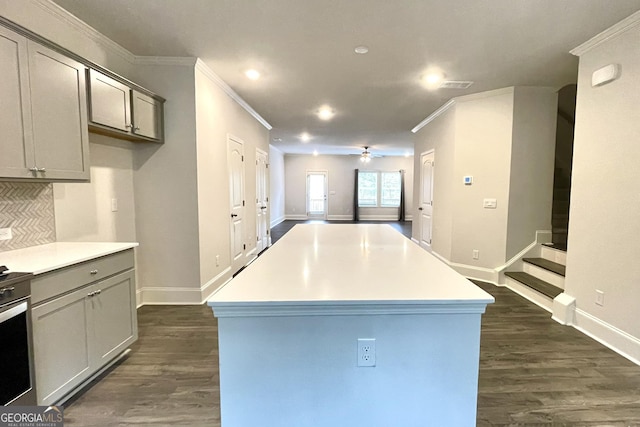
(533, 372)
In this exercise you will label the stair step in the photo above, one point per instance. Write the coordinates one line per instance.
(556, 246)
(547, 265)
(541, 286)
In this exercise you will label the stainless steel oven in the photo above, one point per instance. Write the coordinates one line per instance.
(17, 375)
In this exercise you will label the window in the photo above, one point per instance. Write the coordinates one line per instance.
(368, 189)
(379, 189)
(390, 189)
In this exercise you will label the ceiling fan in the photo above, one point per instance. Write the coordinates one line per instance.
(365, 157)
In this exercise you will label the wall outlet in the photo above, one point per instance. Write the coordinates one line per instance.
(476, 254)
(217, 260)
(599, 297)
(5, 234)
(114, 205)
(366, 352)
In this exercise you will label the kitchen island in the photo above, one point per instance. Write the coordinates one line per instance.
(289, 328)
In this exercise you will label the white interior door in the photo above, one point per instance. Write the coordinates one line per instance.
(235, 161)
(317, 195)
(262, 200)
(425, 209)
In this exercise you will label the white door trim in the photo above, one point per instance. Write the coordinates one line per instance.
(237, 262)
(326, 191)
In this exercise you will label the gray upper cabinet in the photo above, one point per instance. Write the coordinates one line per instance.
(15, 121)
(44, 112)
(110, 102)
(118, 110)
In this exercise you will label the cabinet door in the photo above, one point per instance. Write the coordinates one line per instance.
(114, 318)
(59, 114)
(147, 116)
(109, 102)
(16, 143)
(61, 341)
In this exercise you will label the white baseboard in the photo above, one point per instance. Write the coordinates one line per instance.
(608, 335)
(295, 217)
(214, 284)
(340, 217)
(182, 296)
(379, 217)
(170, 296)
(408, 217)
(414, 240)
(277, 221)
(469, 271)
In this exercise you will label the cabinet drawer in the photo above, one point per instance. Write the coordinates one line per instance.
(66, 279)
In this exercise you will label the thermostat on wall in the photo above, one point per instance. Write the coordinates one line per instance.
(605, 75)
(468, 180)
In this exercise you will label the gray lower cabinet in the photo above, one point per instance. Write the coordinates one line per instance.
(44, 112)
(80, 331)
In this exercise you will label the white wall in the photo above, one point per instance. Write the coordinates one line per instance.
(217, 116)
(83, 210)
(532, 165)
(439, 136)
(165, 185)
(276, 184)
(483, 150)
(341, 173)
(604, 224)
(505, 140)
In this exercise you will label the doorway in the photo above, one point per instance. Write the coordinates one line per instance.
(425, 208)
(262, 200)
(317, 194)
(235, 160)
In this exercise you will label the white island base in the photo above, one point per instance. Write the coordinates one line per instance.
(288, 328)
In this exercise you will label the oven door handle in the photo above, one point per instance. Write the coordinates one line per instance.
(14, 311)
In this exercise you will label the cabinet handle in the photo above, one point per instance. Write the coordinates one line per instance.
(33, 169)
(128, 126)
(99, 291)
(42, 169)
(90, 294)
(136, 128)
(94, 272)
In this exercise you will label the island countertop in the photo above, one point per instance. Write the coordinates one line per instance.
(346, 268)
(44, 258)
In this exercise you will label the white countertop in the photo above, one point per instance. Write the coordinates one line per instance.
(344, 266)
(43, 258)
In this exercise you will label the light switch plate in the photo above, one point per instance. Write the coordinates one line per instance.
(490, 203)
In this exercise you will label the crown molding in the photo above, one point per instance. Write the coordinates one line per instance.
(440, 111)
(184, 61)
(66, 17)
(608, 34)
(204, 69)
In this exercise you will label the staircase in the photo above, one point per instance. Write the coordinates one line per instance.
(542, 278)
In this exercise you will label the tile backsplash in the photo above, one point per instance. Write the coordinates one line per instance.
(27, 208)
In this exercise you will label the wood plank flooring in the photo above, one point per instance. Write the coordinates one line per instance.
(533, 372)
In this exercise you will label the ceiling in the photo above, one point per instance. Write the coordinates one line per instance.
(304, 50)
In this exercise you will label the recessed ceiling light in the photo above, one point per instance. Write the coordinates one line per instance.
(252, 74)
(305, 137)
(433, 79)
(361, 50)
(326, 113)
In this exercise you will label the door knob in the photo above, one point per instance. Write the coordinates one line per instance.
(233, 215)
(419, 209)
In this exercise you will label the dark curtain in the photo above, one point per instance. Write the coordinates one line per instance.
(356, 214)
(401, 207)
